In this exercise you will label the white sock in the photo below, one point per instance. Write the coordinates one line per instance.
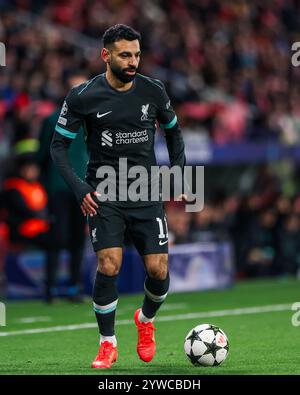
(111, 339)
(143, 318)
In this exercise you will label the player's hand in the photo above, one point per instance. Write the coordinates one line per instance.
(182, 197)
(88, 205)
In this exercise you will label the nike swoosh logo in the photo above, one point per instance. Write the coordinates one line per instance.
(102, 115)
(161, 243)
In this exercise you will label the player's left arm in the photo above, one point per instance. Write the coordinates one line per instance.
(168, 122)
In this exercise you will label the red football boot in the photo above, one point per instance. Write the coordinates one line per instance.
(146, 345)
(106, 356)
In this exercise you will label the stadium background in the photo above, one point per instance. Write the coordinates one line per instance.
(227, 68)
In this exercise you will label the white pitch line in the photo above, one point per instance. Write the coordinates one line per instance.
(173, 306)
(30, 320)
(204, 314)
(224, 313)
(87, 325)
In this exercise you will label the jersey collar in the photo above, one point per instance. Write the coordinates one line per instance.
(115, 90)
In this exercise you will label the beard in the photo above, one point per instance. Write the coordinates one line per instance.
(121, 73)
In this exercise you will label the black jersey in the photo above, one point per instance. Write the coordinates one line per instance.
(118, 124)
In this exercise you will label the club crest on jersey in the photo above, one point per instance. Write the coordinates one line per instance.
(64, 109)
(144, 109)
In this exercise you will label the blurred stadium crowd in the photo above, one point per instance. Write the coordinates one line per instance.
(225, 63)
(226, 66)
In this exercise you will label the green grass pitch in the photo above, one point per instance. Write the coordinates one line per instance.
(260, 342)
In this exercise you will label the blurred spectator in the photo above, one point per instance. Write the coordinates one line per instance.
(289, 245)
(202, 225)
(179, 222)
(25, 204)
(265, 187)
(69, 225)
(261, 252)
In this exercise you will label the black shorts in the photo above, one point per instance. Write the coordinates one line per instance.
(147, 227)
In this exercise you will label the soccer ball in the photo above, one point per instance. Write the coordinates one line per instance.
(206, 345)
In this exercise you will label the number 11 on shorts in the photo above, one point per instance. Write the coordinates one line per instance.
(163, 234)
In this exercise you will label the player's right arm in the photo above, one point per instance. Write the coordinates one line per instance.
(66, 130)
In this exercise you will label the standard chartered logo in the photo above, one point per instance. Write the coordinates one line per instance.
(140, 136)
(106, 138)
(135, 137)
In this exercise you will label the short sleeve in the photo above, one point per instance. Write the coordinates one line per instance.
(71, 116)
(166, 115)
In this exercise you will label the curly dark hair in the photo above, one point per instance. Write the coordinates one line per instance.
(120, 32)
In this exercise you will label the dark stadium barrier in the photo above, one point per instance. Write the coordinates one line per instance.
(205, 152)
(193, 267)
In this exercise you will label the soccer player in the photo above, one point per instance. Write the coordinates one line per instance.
(119, 110)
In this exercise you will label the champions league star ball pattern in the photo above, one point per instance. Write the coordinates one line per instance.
(206, 345)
